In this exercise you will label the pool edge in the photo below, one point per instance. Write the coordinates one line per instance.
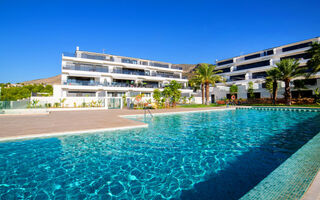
(48, 135)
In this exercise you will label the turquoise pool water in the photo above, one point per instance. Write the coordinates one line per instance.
(208, 155)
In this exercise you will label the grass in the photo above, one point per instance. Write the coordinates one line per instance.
(198, 105)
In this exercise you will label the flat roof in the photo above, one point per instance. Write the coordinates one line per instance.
(123, 56)
(265, 49)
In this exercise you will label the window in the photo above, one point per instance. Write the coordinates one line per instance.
(298, 46)
(257, 95)
(268, 53)
(302, 94)
(225, 62)
(254, 65)
(95, 57)
(297, 56)
(259, 75)
(155, 64)
(224, 70)
(252, 56)
(312, 81)
(238, 77)
(131, 61)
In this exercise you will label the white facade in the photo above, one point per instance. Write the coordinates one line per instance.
(242, 69)
(88, 74)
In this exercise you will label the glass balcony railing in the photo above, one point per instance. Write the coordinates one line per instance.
(86, 68)
(76, 82)
(122, 60)
(176, 67)
(118, 71)
(129, 72)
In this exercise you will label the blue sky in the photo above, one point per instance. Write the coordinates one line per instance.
(34, 34)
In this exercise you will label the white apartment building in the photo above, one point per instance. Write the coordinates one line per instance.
(242, 69)
(99, 75)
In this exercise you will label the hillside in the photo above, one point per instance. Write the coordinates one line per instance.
(48, 81)
(55, 80)
(186, 67)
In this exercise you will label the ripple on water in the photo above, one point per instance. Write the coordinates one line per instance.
(175, 154)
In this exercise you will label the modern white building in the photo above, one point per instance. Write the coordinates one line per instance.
(242, 69)
(98, 75)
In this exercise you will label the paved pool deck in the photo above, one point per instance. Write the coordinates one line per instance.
(71, 122)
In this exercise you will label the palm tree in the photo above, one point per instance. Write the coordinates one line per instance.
(207, 75)
(196, 83)
(273, 76)
(314, 62)
(289, 69)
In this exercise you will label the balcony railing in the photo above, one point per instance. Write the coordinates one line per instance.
(123, 60)
(176, 67)
(86, 68)
(118, 71)
(86, 83)
(129, 72)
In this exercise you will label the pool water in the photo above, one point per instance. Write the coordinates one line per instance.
(205, 155)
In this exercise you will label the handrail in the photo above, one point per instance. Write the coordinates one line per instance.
(145, 112)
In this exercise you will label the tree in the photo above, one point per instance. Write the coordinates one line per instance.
(272, 79)
(14, 93)
(269, 86)
(289, 69)
(175, 87)
(299, 85)
(250, 90)
(314, 62)
(233, 89)
(196, 83)
(206, 74)
(157, 95)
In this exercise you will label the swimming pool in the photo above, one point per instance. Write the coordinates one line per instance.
(206, 155)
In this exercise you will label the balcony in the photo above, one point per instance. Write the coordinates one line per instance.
(129, 72)
(121, 60)
(77, 82)
(119, 71)
(87, 68)
(253, 65)
(176, 67)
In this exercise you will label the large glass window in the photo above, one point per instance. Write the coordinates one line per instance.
(259, 75)
(225, 62)
(224, 70)
(254, 65)
(85, 67)
(268, 52)
(238, 77)
(95, 57)
(131, 61)
(252, 56)
(156, 64)
(298, 46)
(297, 56)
